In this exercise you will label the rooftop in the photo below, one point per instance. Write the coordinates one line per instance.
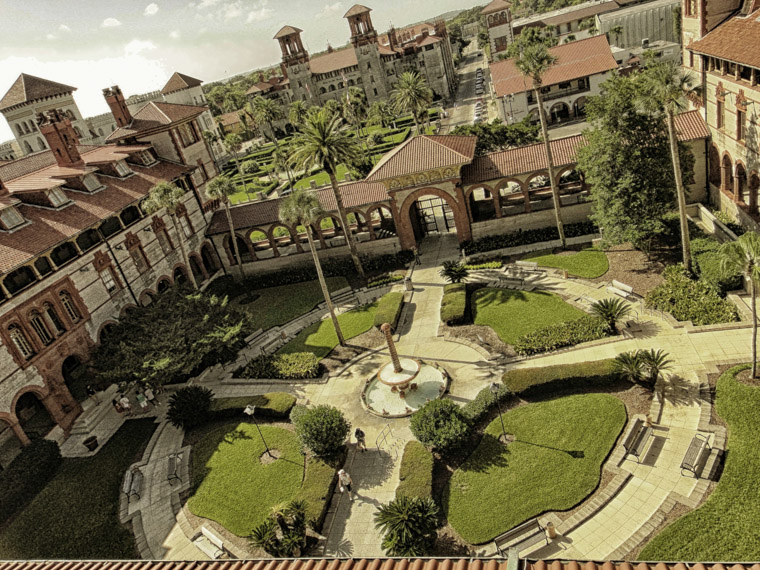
(567, 14)
(180, 81)
(156, 114)
(495, 6)
(28, 88)
(356, 9)
(334, 61)
(287, 31)
(735, 40)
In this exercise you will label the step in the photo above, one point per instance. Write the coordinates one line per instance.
(93, 414)
(712, 467)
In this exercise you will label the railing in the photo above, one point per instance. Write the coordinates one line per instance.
(557, 94)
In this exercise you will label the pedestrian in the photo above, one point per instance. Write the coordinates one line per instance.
(125, 405)
(142, 401)
(345, 483)
(360, 440)
(416, 252)
(150, 395)
(91, 393)
(116, 406)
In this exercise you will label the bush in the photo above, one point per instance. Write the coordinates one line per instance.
(317, 489)
(384, 280)
(389, 309)
(27, 475)
(322, 429)
(408, 526)
(477, 408)
(520, 237)
(291, 366)
(690, 300)
(726, 219)
(454, 304)
(708, 266)
(548, 379)
(559, 335)
(416, 472)
(440, 424)
(484, 265)
(270, 405)
(454, 271)
(189, 406)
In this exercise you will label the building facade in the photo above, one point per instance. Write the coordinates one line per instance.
(497, 18)
(648, 23)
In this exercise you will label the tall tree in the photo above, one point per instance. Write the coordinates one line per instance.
(267, 112)
(324, 142)
(534, 61)
(743, 255)
(412, 95)
(498, 136)
(664, 89)
(380, 113)
(302, 207)
(221, 188)
(233, 143)
(171, 197)
(297, 113)
(355, 108)
(211, 138)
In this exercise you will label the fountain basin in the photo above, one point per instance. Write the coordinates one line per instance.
(396, 395)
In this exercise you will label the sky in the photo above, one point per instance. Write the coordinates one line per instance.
(138, 44)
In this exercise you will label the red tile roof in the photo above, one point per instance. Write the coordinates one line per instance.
(229, 119)
(691, 126)
(287, 31)
(334, 61)
(28, 88)
(180, 81)
(580, 14)
(736, 40)
(423, 153)
(355, 10)
(267, 212)
(269, 564)
(428, 40)
(26, 165)
(495, 6)
(574, 60)
(156, 114)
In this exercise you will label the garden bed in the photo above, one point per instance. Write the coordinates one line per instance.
(631, 266)
(578, 261)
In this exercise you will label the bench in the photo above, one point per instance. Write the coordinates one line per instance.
(209, 543)
(621, 290)
(522, 536)
(692, 459)
(636, 440)
(175, 464)
(133, 483)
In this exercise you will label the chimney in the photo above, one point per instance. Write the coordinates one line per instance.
(60, 136)
(425, 33)
(329, 48)
(118, 106)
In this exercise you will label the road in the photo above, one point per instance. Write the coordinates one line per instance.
(462, 111)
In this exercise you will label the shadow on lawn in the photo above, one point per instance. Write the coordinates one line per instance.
(489, 453)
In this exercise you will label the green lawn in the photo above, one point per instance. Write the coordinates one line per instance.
(588, 263)
(277, 305)
(512, 314)
(320, 338)
(322, 179)
(76, 516)
(553, 464)
(725, 527)
(232, 486)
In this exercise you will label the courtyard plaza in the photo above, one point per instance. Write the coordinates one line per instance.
(163, 531)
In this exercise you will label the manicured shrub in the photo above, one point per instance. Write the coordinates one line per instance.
(560, 335)
(520, 237)
(408, 526)
(453, 271)
(291, 366)
(27, 474)
(389, 309)
(416, 472)
(384, 280)
(477, 408)
(484, 265)
(611, 310)
(270, 405)
(322, 429)
(189, 406)
(547, 379)
(440, 425)
(708, 266)
(454, 304)
(318, 486)
(690, 300)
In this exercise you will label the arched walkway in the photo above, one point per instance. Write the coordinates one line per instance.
(76, 377)
(433, 211)
(32, 415)
(210, 259)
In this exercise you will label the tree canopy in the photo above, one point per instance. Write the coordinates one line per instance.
(498, 136)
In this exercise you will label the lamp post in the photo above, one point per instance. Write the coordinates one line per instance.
(495, 392)
(249, 411)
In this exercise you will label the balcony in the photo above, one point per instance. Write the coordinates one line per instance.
(559, 94)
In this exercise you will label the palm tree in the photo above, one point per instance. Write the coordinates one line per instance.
(412, 95)
(611, 311)
(380, 113)
(408, 525)
(221, 188)
(628, 366)
(355, 107)
(211, 137)
(281, 160)
(743, 255)
(324, 142)
(302, 207)
(664, 89)
(654, 361)
(533, 62)
(297, 113)
(267, 112)
(616, 31)
(233, 143)
(454, 271)
(167, 195)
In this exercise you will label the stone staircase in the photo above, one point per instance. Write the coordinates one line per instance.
(92, 413)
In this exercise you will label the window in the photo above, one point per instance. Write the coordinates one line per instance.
(57, 197)
(108, 280)
(10, 218)
(147, 158)
(52, 317)
(41, 329)
(91, 182)
(165, 242)
(20, 341)
(187, 134)
(187, 229)
(122, 169)
(741, 124)
(69, 306)
(721, 113)
(138, 257)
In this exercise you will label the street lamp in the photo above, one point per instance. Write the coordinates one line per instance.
(495, 392)
(249, 411)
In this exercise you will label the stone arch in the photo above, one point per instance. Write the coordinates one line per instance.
(126, 309)
(382, 225)
(18, 431)
(559, 112)
(458, 208)
(180, 273)
(27, 407)
(105, 329)
(283, 239)
(483, 202)
(579, 106)
(147, 297)
(741, 187)
(196, 266)
(75, 375)
(27, 148)
(726, 171)
(714, 166)
(209, 258)
(513, 196)
(163, 283)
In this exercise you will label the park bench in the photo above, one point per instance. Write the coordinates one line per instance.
(522, 536)
(173, 467)
(621, 290)
(133, 483)
(692, 460)
(636, 440)
(209, 543)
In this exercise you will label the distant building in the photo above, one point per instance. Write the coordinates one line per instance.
(652, 21)
(9, 150)
(498, 21)
(229, 123)
(633, 58)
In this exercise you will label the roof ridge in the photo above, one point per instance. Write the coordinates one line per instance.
(159, 110)
(447, 147)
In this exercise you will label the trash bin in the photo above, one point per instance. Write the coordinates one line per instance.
(91, 443)
(408, 284)
(551, 532)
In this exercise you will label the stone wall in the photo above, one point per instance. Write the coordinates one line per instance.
(530, 221)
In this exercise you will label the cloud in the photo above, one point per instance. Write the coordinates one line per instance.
(110, 23)
(175, 34)
(51, 36)
(151, 9)
(330, 10)
(64, 28)
(207, 4)
(232, 10)
(136, 47)
(261, 12)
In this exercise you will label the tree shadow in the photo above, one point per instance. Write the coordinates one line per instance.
(678, 391)
(574, 453)
(406, 325)
(235, 435)
(490, 453)
(345, 549)
(372, 468)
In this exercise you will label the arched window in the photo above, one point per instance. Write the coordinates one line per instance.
(41, 144)
(20, 341)
(27, 147)
(69, 306)
(19, 130)
(52, 316)
(42, 330)
(26, 129)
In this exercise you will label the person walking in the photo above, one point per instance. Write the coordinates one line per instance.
(361, 444)
(416, 252)
(142, 400)
(150, 395)
(91, 393)
(125, 405)
(344, 479)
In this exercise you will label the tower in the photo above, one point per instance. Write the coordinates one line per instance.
(698, 17)
(118, 106)
(498, 21)
(56, 127)
(295, 64)
(364, 40)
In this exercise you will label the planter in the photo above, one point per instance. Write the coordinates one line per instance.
(91, 443)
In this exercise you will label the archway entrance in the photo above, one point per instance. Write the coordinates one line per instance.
(196, 269)
(33, 417)
(431, 215)
(76, 377)
(209, 259)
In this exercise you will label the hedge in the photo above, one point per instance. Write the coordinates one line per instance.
(269, 405)
(27, 475)
(416, 472)
(477, 408)
(454, 304)
(535, 381)
(389, 309)
(291, 366)
(384, 280)
(559, 335)
(318, 486)
(520, 237)
(484, 265)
